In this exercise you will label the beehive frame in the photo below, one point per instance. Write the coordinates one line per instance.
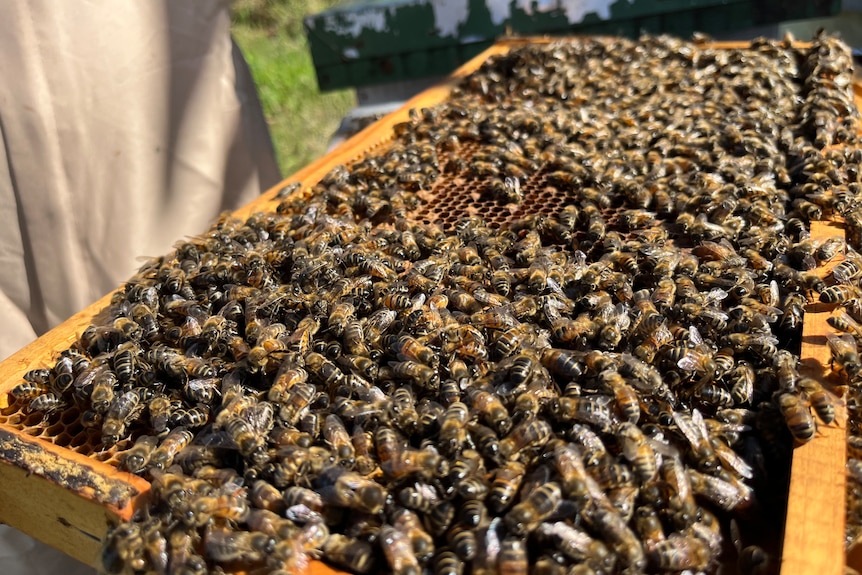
(68, 499)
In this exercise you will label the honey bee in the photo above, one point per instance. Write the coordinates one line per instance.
(126, 547)
(763, 345)
(839, 293)
(845, 358)
(692, 357)
(638, 451)
(100, 339)
(136, 459)
(785, 367)
(352, 554)
(794, 309)
(797, 416)
(29, 389)
(842, 321)
(576, 544)
(163, 456)
(453, 430)
(338, 439)
(727, 491)
(534, 508)
(123, 410)
(203, 508)
(587, 409)
(610, 525)
(419, 373)
(397, 302)
(246, 437)
(713, 395)
(822, 400)
(167, 361)
(323, 370)
(201, 390)
(143, 315)
(359, 365)
(849, 269)
(695, 432)
(340, 314)
(410, 349)
(421, 541)
(680, 552)
(343, 488)
(375, 326)
(229, 545)
(526, 435)
(829, 248)
(430, 415)
(491, 409)
(296, 495)
(447, 562)
(505, 486)
(287, 376)
(398, 551)
(486, 441)
(664, 296)
(296, 404)
(512, 558)
(265, 496)
(562, 362)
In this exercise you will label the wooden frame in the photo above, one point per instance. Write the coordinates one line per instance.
(68, 500)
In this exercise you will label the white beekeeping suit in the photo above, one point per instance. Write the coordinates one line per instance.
(124, 127)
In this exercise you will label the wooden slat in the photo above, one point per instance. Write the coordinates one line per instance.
(814, 529)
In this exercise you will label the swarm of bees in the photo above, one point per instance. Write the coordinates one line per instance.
(609, 384)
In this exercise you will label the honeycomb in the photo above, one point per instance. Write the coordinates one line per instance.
(64, 429)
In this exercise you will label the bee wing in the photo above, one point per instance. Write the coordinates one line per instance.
(301, 513)
(603, 399)
(774, 294)
(260, 416)
(579, 259)
(680, 478)
(700, 424)
(715, 294)
(842, 343)
(427, 491)
(843, 316)
(688, 427)
(689, 361)
(203, 384)
(773, 310)
(418, 302)
(694, 336)
(552, 307)
(662, 447)
(605, 314)
(662, 334)
(212, 438)
(733, 461)
(724, 494)
(715, 313)
(623, 318)
(554, 286)
(808, 262)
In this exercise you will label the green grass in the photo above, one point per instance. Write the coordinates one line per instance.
(301, 119)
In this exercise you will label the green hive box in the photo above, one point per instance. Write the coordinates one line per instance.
(384, 41)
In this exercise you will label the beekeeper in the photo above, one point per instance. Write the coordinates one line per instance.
(124, 127)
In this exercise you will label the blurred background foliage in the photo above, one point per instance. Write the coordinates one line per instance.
(301, 119)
